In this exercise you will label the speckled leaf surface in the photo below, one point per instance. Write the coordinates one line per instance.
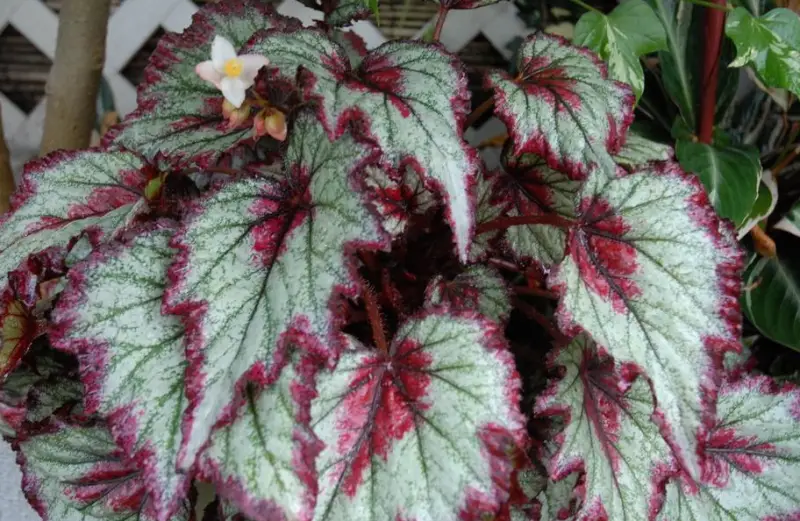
(478, 288)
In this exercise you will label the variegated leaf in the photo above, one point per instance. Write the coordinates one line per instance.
(652, 274)
(264, 460)
(422, 432)
(479, 288)
(340, 12)
(76, 473)
(261, 260)
(397, 200)
(557, 501)
(486, 210)
(179, 114)
(131, 355)
(68, 193)
(752, 458)
(638, 151)
(17, 331)
(410, 98)
(562, 106)
(609, 434)
(529, 187)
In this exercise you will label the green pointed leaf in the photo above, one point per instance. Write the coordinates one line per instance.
(640, 238)
(764, 206)
(772, 300)
(790, 222)
(134, 379)
(731, 175)
(434, 419)
(638, 151)
(752, 458)
(620, 37)
(261, 261)
(609, 434)
(770, 43)
(74, 473)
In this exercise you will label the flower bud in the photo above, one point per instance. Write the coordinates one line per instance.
(270, 122)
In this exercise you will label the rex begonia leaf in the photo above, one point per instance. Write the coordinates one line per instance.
(529, 187)
(340, 12)
(638, 151)
(68, 193)
(771, 43)
(179, 113)
(609, 434)
(464, 4)
(260, 262)
(264, 460)
(752, 458)
(131, 355)
(77, 473)
(422, 432)
(486, 210)
(562, 106)
(397, 200)
(479, 288)
(17, 331)
(640, 238)
(410, 98)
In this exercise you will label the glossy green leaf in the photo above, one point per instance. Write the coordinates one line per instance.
(631, 30)
(765, 203)
(770, 43)
(729, 173)
(772, 303)
(791, 221)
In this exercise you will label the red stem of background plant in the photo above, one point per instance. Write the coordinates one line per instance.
(714, 24)
(440, 18)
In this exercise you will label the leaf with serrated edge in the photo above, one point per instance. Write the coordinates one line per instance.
(74, 473)
(752, 454)
(486, 210)
(423, 432)
(131, 355)
(609, 434)
(640, 238)
(557, 501)
(410, 98)
(180, 114)
(343, 12)
(260, 263)
(397, 200)
(527, 186)
(638, 151)
(563, 107)
(67, 193)
(17, 331)
(264, 460)
(479, 288)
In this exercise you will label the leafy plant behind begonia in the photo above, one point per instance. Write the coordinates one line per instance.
(318, 299)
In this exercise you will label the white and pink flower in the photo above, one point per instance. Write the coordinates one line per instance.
(230, 72)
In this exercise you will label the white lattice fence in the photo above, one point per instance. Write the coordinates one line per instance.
(135, 20)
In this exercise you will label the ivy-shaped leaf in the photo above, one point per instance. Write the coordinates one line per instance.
(397, 200)
(529, 187)
(479, 288)
(609, 434)
(76, 473)
(639, 239)
(66, 194)
(131, 355)
(264, 460)
(630, 30)
(638, 151)
(410, 98)
(771, 43)
(260, 262)
(562, 106)
(434, 419)
(752, 458)
(179, 114)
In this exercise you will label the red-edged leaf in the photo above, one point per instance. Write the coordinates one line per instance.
(180, 114)
(261, 262)
(652, 275)
(66, 194)
(638, 151)
(340, 12)
(527, 186)
(562, 106)
(77, 473)
(557, 502)
(17, 331)
(752, 458)
(131, 355)
(423, 432)
(479, 289)
(608, 434)
(264, 460)
(410, 98)
(397, 200)
(487, 209)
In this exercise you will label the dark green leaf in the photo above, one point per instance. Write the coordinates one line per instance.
(773, 302)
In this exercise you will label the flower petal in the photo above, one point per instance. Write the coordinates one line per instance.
(221, 51)
(207, 72)
(251, 64)
(234, 90)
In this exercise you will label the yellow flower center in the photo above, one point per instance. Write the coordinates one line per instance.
(233, 68)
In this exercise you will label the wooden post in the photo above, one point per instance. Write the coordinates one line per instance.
(75, 77)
